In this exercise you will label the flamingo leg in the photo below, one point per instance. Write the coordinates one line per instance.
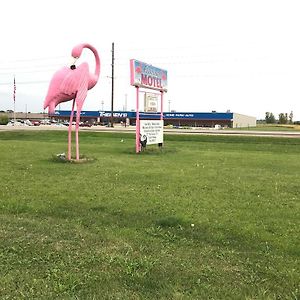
(76, 130)
(70, 131)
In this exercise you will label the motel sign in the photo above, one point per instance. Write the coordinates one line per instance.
(148, 76)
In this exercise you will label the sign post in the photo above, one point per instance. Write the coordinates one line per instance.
(137, 123)
(149, 77)
(161, 105)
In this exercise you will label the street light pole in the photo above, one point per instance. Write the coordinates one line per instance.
(112, 84)
(14, 100)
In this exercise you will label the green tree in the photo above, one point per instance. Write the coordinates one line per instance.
(3, 119)
(270, 119)
(283, 118)
(291, 116)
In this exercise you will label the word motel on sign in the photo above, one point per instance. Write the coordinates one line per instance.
(151, 81)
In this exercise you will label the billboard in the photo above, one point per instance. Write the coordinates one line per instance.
(148, 76)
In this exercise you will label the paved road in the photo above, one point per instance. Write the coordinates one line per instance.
(117, 128)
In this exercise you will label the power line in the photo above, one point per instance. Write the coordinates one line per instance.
(25, 82)
(37, 69)
(32, 59)
(28, 72)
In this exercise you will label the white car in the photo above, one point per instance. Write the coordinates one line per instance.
(28, 123)
(13, 123)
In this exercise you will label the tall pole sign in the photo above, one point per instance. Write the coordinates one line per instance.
(146, 76)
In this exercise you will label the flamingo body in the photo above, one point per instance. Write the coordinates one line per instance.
(72, 84)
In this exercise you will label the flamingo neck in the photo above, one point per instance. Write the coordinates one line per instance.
(96, 74)
(77, 51)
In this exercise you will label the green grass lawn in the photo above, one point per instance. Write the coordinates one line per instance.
(271, 127)
(209, 217)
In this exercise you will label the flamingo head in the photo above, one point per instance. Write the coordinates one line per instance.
(77, 50)
(76, 53)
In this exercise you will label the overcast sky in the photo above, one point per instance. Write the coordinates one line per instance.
(242, 56)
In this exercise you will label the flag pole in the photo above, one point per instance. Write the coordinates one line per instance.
(14, 113)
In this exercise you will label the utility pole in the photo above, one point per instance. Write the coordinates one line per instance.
(112, 84)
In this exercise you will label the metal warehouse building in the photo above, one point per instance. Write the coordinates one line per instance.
(228, 119)
(201, 119)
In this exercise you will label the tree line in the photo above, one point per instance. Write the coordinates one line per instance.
(283, 118)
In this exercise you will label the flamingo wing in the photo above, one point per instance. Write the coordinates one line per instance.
(76, 82)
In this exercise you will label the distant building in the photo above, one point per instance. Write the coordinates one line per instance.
(25, 116)
(191, 119)
(194, 119)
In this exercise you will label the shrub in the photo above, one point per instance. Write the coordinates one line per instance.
(3, 119)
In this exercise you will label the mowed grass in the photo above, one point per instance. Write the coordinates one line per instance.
(271, 127)
(209, 217)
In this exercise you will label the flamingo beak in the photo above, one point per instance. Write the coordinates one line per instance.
(72, 65)
(73, 61)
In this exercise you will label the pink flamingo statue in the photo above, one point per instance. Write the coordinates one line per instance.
(72, 83)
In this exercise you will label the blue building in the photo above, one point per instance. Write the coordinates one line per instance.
(194, 119)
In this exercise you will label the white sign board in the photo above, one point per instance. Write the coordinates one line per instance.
(150, 102)
(152, 131)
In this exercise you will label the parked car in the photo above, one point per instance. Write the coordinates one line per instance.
(28, 123)
(85, 124)
(36, 123)
(45, 122)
